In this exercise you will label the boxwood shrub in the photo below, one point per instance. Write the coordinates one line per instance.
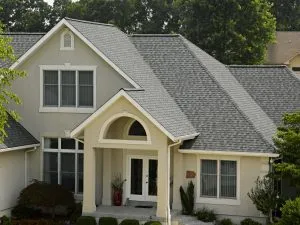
(206, 215)
(86, 220)
(108, 221)
(226, 222)
(130, 222)
(249, 221)
(153, 223)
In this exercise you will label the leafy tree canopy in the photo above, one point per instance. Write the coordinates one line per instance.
(7, 76)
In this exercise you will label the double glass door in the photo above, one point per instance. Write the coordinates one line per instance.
(142, 178)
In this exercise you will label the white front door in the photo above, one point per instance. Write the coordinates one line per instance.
(142, 178)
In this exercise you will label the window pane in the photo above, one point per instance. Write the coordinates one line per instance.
(68, 171)
(67, 143)
(50, 88)
(209, 176)
(137, 129)
(50, 167)
(67, 40)
(51, 143)
(80, 145)
(85, 88)
(228, 179)
(68, 88)
(80, 173)
(136, 183)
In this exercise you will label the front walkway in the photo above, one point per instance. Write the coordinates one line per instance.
(126, 212)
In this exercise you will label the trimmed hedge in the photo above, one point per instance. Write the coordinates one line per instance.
(226, 222)
(86, 220)
(249, 221)
(108, 221)
(153, 223)
(130, 222)
(206, 215)
(37, 222)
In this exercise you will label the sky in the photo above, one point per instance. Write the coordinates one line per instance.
(50, 2)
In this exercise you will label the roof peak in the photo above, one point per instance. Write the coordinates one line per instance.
(90, 22)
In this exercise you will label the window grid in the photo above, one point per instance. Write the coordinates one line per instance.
(59, 151)
(77, 86)
(219, 176)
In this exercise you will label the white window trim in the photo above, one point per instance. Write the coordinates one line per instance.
(62, 40)
(75, 151)
(218, 200)
(76, 109)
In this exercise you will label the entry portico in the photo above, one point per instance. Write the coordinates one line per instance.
(119, 139)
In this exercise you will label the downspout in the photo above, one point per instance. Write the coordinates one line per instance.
(169, 180)
(26, 165)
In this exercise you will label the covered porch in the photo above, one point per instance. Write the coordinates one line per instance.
(122, 141)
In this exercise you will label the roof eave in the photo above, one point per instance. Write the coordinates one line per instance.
(19, 148)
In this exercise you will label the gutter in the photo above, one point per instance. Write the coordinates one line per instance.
(233, 153)
(168, 216)
(19, 148)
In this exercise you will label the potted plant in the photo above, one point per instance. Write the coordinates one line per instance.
(117, 186)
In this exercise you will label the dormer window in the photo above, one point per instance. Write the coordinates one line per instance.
(67, 40)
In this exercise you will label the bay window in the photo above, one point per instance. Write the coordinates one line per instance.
(63, 163)
(68, 89)
(218, 179)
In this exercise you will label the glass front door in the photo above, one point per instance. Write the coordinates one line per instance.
(143, 178)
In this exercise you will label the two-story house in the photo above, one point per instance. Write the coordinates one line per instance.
(155, 109)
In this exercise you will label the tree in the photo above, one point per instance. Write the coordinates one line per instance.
(7, 76)
(233, 31)
(287, 141)
(264, 197)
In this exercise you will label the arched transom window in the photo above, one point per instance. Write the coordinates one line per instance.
(67, 40)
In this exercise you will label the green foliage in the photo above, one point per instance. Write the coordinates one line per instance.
(108, 221)
(233, 31)
(4, 220)
(264, 197)
(7, 76)
(226, 222)
(86, 220)
(130, 222)
(287, 141)
(76, 213)
(290, 213)
(37, 222)
(187, 199)
(40, 194)
(152, 223)
(249, 221)
(206, 215)
(25, 212)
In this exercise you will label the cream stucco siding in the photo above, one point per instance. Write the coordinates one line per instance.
(12, 178)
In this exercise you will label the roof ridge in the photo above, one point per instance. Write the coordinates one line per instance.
(153, 35)
(243, 114)
(257, 66)
(90, 22)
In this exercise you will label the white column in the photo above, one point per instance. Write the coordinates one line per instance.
(162, 184)
(106, 199)
(89, 183)
(178, 175)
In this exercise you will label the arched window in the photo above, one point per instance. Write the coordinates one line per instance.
(67, 40)
(137, 129)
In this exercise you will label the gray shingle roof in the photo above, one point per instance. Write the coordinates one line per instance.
(192, 79)
(21, 42)
(275, 88)
(116, 46)
(17, 136)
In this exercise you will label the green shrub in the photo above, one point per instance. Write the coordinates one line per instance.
(290, 212)
(130, 222)
(4, 220)
(25, 212)
(249, 221)
(152, 223)
(77, 211)
(37, 222)
(48, 196)
(187, 199)
(226, 222)
(86, 220)
(108, 221)
(206, 215)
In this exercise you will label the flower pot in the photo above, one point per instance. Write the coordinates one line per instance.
(117, 198)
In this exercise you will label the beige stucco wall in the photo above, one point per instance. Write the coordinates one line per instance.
(250, 169)
(12, 178)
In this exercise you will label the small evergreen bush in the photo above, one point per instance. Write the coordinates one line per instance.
(25, 212)
(290, 213)
(226, 222)
(86, 220)
(206, 215)
(187, 199)
(4, 220)
(249, 221)
(108, 221)
(130, 222)
(153, 223)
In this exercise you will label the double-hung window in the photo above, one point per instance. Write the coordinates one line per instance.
(218, 179)
(63, 163)
(68, 90)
